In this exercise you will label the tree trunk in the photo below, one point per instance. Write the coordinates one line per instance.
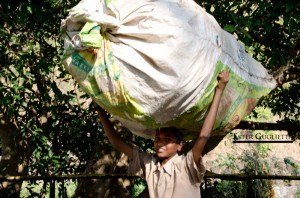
(110, 162)
(268, 126)
(286, 74)
(9, 160)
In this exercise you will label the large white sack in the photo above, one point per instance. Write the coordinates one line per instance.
(154, 63)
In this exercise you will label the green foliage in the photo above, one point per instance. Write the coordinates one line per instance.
(51, 122)
(252, 162)
(40, 189)
(260, 114)
(138, 188)
(223, 189)
(259, 25)
(294, 166)
(298, 193)
(285, 102)
(227, 161)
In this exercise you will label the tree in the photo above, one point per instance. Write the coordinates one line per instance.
(44, 128)
(41, 125)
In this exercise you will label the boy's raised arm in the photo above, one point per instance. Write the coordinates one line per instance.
(113, 136)
(211, 117)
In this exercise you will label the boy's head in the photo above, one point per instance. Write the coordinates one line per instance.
(168, 141)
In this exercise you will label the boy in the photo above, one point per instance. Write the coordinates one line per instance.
(169, 175)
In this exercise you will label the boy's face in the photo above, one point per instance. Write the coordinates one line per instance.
(165, 144)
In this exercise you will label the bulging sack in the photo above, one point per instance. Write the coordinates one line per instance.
(154, 64)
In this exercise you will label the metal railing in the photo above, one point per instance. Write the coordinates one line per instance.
(238, 177)
(61, 178)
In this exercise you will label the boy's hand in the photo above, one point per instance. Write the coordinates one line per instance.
(223, 79)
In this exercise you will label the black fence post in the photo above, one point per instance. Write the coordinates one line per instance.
(64, 189)
(52, 189)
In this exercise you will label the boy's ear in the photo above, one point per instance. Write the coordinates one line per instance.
(180, 145)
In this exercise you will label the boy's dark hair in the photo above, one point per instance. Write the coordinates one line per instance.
(175, 131)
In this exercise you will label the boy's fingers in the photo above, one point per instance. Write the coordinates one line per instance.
(224, 73)
(223, 76)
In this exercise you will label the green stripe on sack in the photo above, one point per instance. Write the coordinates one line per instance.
(90, 35)
(81, 63)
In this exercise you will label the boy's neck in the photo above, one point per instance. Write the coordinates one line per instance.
(163, 161)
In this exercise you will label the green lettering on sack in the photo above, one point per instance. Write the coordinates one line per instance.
(81, 63)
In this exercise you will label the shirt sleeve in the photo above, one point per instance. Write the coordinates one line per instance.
(195, 171)
(137, 165)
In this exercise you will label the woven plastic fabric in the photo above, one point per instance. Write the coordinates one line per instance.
(154, 64)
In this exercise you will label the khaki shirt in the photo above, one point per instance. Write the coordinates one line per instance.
(179, 177)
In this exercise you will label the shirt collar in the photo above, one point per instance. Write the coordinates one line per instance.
(168, 166)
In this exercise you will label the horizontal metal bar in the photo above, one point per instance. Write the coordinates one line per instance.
(242, 177)
(239, 177)
(65, 177)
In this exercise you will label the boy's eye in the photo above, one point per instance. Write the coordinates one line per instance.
(157, 139)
